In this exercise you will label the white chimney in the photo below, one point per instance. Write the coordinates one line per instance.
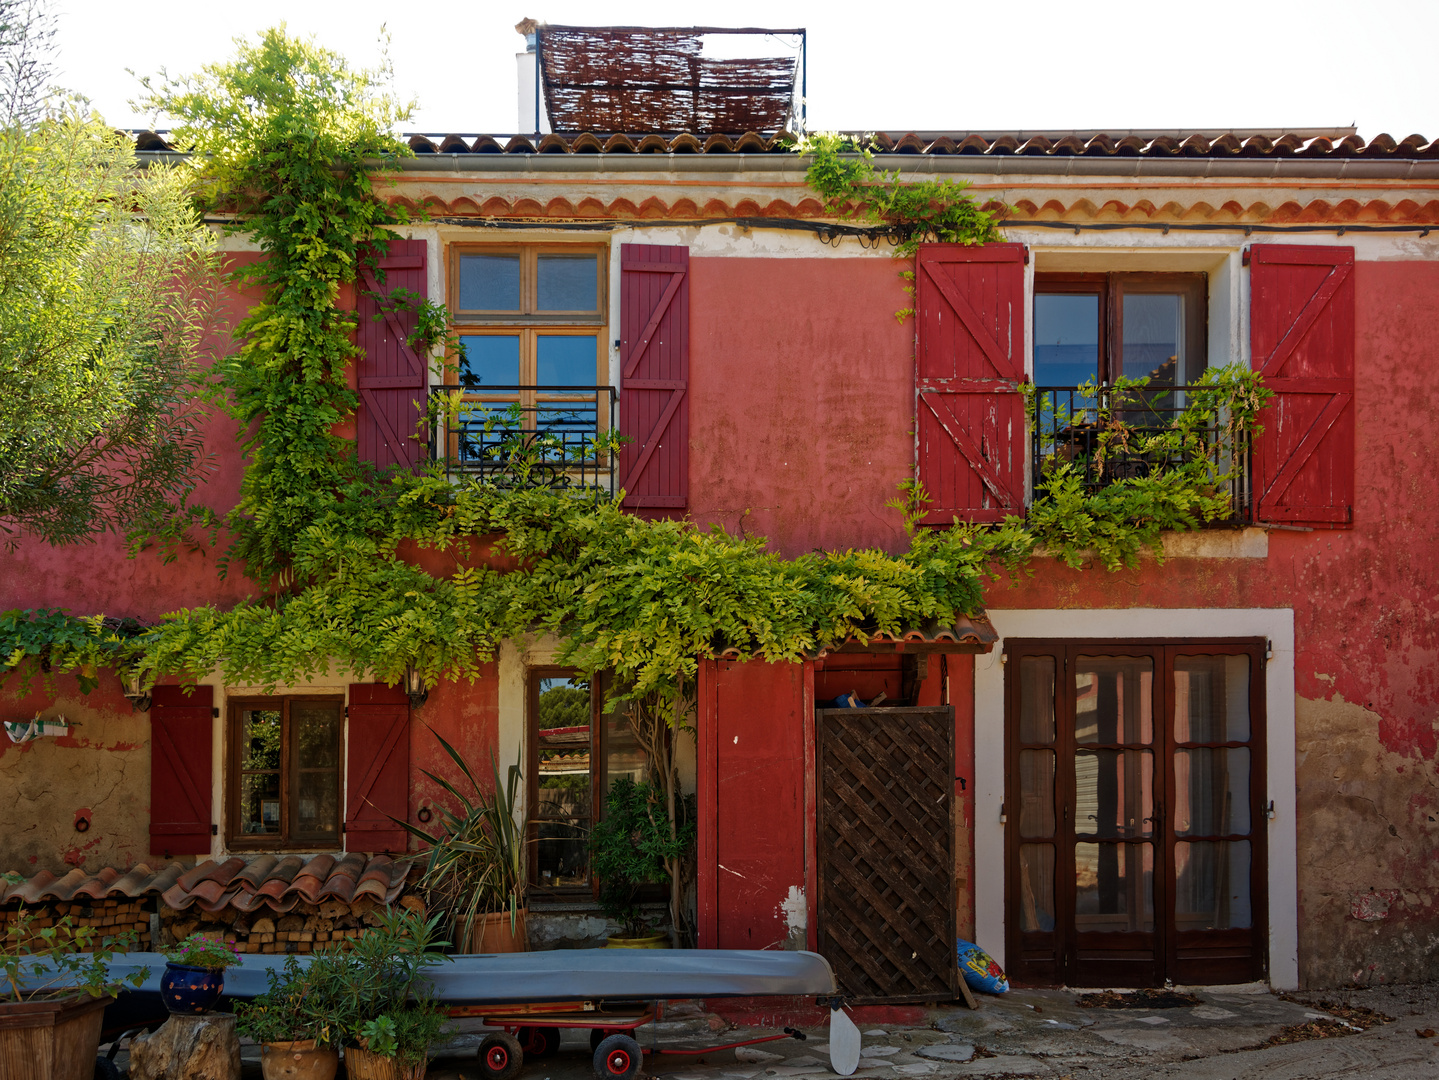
(531, 112)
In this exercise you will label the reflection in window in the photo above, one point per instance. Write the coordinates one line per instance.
(1114, 793)
(489, 282)
(261, 735)
(1211, 885)
(1036, 699)
(568, 283)
(1066, 339)
(565, 360)
(1114, 699)
(287, 758)
(1036, 887)
(1114, 887)
(563, 772)
(490, 360)
(1154, 338)
(1211, 791)
(1211, 699)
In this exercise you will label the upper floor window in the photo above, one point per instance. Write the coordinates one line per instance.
(1099, 327)
(284, 772)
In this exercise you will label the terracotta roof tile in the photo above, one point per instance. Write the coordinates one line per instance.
(265, 881)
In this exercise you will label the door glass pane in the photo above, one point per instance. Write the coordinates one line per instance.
(623, 756)
(1211, 699)
(1211, 791)
(1114, 699)
(568, 283)
(490, 360)
(1211, 885)
(563, 769)
(316, 732)
(490, 283)
(1036, 792)
(1066, 339)
(1114, 793)
(261, 732)
(565, 360)
(1036, 699)
(1113, 887)
(1154, 338)
(315, 759)
(1036, 887)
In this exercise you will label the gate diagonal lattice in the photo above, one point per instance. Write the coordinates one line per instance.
(886, 852)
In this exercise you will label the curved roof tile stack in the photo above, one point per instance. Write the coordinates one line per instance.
(266, 881)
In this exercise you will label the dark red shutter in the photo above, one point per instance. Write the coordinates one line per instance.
(392, 374)
(377, 768)
(655, 364)
(969, 361)
(1301, 337)
(181, 790)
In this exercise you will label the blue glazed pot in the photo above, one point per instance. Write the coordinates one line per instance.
(189, 990)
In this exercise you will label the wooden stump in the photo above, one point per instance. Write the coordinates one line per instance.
(201, 1047)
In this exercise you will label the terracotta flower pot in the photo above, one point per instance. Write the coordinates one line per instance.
(494, 934)
(57, 1038)
(360, 1064)
(301, 1060)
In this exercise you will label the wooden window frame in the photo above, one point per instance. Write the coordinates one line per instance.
(1180, 955)
(1111, 288)
(533, 678)
(283, 841)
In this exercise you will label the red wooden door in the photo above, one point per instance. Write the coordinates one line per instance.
(654, 358)
(969, 362)
(1301, 332)
(392, 380)
(377, 768)
(181, 765)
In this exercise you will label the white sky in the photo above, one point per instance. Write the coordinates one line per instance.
(1108, 64)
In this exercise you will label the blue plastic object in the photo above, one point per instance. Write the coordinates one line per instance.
(979, 969)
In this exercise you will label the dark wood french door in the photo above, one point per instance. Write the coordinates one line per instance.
(1135, 812)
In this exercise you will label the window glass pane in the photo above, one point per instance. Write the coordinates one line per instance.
(316, 812)
(563, 770)
(490, 283)
(568, 283)
(1114, 887)
(1036, 792)
(1211, 792)
(1211, 699)
(490, 360)
(1036, 887)
(315, 727)
(1154, 338)
(1114, 699)
(260, 739)
(1066, 339)
(260, 803)
(1036, 699)
(1211, 885)
(1114, 793)
(623, 756)
(565, 360)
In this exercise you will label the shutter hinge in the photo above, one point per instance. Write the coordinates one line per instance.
(1026, 254)
(1244, 258)
(214, 830)
(1003, 817)
(214, 712)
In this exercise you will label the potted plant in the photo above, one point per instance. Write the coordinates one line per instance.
(391, 1019)
(194, 975)
(477, 870)
(56, 986)
(632, 846)
(299, 1021)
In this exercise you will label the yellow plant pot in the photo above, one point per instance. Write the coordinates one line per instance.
(653, 941)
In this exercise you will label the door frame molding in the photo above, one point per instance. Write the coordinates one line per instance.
(1275, 624)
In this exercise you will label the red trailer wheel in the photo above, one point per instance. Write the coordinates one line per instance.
(500, 1056)
(539, 1042)
(618, 1057)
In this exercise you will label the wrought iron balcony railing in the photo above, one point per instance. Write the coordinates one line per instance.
(527, 436)
(1108, 435)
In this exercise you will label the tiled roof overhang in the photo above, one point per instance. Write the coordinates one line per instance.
(966, 634)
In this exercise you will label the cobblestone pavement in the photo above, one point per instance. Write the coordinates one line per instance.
(1229, 1035)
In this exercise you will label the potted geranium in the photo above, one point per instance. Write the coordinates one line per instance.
(56, 985)
(300, 1019)
(194, 976)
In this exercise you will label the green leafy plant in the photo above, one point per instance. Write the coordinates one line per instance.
(51, 641)
(201, 951)
(302, 1001)
(50, 961)
(636, 844)
(405, 1035)
(477, 863)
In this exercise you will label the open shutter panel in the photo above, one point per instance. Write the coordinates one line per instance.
(391, 374)
(181, 740)
(1301, 337)
(654, 360)
(969, 361)
(377, 768)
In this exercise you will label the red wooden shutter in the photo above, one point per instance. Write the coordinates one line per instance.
(1301, 336)
(377, 768)
(181, 740)
(969, 361)
(391, 374)
(655, 361)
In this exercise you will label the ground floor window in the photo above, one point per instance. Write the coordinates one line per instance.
(283, 770)
(1134, 801)
(576, 749)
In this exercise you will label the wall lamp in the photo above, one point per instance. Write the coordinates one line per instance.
(137, 695)
(415, 687)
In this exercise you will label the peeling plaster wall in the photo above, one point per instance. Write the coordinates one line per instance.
(99, 772)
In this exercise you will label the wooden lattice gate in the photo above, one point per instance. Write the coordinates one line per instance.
(886, 852)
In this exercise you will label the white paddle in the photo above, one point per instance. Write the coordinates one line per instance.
(843, 1043)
